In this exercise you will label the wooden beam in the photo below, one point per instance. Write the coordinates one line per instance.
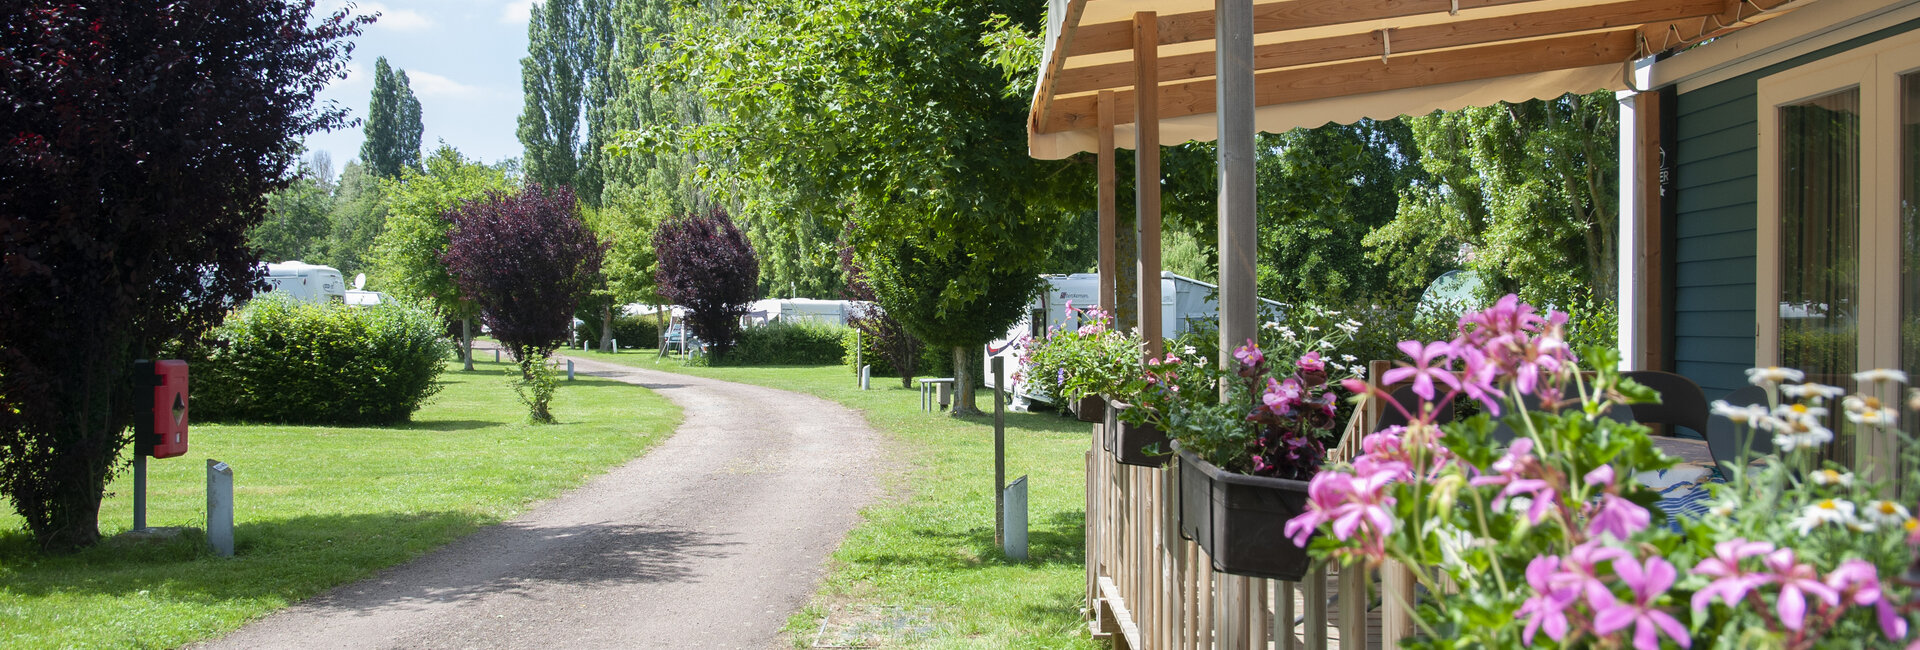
(1117, 36)
(1109, 221)
(1362, 77)
(1146, 155)
(1405, 40)
(1236, 217)
(1660, 36)
(1042, 100)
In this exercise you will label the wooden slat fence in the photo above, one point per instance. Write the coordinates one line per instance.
(1148, 588)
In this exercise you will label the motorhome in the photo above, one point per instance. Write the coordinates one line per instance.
(306, 282)
(1184, 302)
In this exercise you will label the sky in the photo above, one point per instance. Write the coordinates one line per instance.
(462, 59)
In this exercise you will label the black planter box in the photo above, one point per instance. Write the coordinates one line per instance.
(1240, 519)
(1130, 442)
(1092, 408)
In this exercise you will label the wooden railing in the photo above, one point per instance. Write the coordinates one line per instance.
(1148, 588)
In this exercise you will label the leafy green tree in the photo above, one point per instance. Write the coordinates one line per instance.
(552, 74)
(359, 215)
(1525, 190)
(1322, 191)
(296, 225)
(896, 114)
(393, 124)
(407, 255)
(142, 139)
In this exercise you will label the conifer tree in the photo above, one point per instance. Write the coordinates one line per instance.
(393, 124)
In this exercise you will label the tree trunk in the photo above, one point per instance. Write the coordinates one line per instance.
(660, 321)
(606, 329)
(963, 382)
(466, 341)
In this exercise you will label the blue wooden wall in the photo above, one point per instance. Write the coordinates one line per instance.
(1716, 173)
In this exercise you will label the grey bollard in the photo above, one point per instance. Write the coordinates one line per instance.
(866, 377)
(616, 346)
(1016, 520)
(220, 507)
(569, 370)
(496, 355)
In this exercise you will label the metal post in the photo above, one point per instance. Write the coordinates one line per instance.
(999, 452)
(220, 507)
(1014, 520)
(139, 489)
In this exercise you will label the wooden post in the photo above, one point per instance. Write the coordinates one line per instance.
(1146, 155)
(1233, 62)
(1109, 224)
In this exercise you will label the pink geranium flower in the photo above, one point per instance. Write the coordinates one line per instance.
(1648, 582)
(1618, 517)
(1797, 581)
(1423, 371)
(1547, 609)
(1859, 585)
(1730, 583)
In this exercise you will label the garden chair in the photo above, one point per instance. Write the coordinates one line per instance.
(1682, 403)
(1723, 436)
(1390, 416)
(1505, 434)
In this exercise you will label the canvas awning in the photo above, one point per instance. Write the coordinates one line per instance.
(1320, 61)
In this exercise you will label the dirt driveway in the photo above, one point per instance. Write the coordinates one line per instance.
(709, 541)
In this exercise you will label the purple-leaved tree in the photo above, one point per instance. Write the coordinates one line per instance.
(139, 142)
(526, 259)
(707, 266)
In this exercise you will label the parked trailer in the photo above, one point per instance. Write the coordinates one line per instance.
(306, 282)
(1184, 301)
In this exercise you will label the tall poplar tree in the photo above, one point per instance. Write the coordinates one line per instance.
(569, 76)
(393, 124)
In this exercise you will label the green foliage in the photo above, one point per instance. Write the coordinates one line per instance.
(1321, 192)
(359, 216)
(1526, 189)
(552, 75)
(296, 224)
(281, 360)
(631, 331)
(393, 124)
(534, 382)
(406, 255)
(803, 343)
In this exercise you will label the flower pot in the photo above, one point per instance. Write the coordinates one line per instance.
(1239, 519)
(1092, 408)
(1130, 442)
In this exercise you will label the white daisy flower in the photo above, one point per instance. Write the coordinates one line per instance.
(1350, 327)
(1874, 417)
(1886, 513)
(1878, 375)
(1272, 325)
(1813, 391)
(1800, 413)
(1809, 438)
(1348, 358)
(1749, 414)
(1722, 508)
(1913, 399)
(1773, 374)
(1326, 345)
(1288, 333)
(1190, 351)
(1831, 477)
(1310, 328)
(1827, 511)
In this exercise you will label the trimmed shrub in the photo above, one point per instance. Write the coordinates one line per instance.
(803, 343)
(281, 360)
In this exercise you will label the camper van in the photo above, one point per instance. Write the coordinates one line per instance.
(1184, 301)
(306, 282)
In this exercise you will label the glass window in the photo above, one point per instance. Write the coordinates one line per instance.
(1819, 236)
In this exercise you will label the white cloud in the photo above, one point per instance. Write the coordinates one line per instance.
(427, 84)
(516, 12)
(401, 20)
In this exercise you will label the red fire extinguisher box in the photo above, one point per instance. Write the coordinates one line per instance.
(162, 431)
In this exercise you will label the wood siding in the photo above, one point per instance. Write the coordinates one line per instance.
(1714, 267)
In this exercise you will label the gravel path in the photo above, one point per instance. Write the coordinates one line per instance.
(709, 541)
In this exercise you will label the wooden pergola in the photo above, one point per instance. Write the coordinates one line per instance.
(1163, 72)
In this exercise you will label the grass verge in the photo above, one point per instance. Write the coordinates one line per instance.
(922, 570)
(315, 507)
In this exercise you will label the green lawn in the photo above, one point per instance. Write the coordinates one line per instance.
(316, 507)
(921, 569)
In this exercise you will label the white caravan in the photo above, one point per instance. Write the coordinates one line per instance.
(1183, 301)
(306, 282)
